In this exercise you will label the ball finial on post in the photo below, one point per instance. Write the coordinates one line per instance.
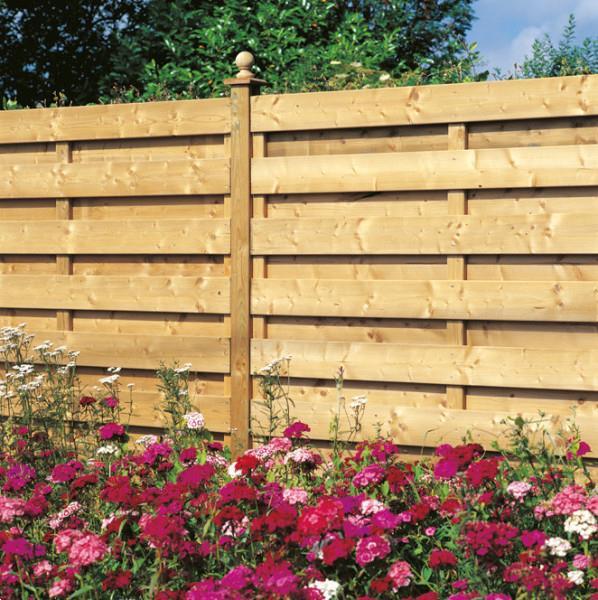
(244, 62)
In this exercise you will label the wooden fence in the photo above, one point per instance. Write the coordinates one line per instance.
(439, 242)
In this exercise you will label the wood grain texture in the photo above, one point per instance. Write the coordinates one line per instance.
(147, 119)
(123, 293)
(240, 261)
(430, 299)
(450, 235)
(422, 426)
(157, 236)
(64, 264)
(449, 365)
(108, 179)
(444, 170)
(147, 412)
(456, 330)
(463, 103)
(137, 351)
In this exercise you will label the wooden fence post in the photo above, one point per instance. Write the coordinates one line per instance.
(242, 87)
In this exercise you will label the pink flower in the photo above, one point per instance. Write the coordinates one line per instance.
(42, 568)
(60, 588)
(296, 430)
(110, 402)
(111, 430)
(370, 475)
(581, 561)
(11, 508)
(400, 574)
(430, 531)
(584, 448)
(370, 548)
(446, 468)
(295, 495)
(86, 550)
(519, 489)
(65, 538)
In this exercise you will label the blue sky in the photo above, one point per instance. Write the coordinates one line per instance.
(505, 29)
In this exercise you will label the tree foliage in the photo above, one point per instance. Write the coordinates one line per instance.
(59, 51)
(565, 58)
(185, 48)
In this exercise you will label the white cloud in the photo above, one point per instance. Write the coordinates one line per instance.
(506, 29)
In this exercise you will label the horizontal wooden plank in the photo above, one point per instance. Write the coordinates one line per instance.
(358, 141)
(147, 119)
(450, 365)
(206, 355)
(164, 236)
(451, 234)
(442, 170)
(427, 299)
(109, 179)
(89, 292)
(420, 426)
(147, 413)
(462, 103)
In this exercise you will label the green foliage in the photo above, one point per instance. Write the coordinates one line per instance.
(564, 58)
(185, 49)
(57, 52)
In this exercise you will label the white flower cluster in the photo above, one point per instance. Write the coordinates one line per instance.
(557, 546)
(184, 369)
(12, 337)
(113, 377)
(582, 522)
(328, 588)
(357, 402)
(108, 450)
(194, 420)
(273, 365)
(575, 577)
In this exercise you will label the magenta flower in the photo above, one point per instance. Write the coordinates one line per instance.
(370, 475)
(111, 430)
(296, 430)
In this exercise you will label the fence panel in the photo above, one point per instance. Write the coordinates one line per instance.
(437, 242)
(115, 241)
(440, 243)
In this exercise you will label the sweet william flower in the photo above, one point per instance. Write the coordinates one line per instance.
(400, 574)
(370, 548)
(111, 430)
(576, 577)
(296, 430)
(557, 546)
(329, 589)
(87, 550)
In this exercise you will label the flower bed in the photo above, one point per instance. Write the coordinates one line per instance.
(173, 517)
